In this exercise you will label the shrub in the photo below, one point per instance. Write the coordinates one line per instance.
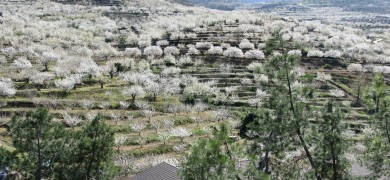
(189, 100)
(327, 66)
(183, 121)
(198, 132)
(153, 151)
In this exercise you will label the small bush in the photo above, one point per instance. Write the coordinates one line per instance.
(155, 151)
(345, 80)
(122, 129)
(327, 66)
(198, 132)
(183, 121)
(152, 138)
(325, 87)
(190, 100)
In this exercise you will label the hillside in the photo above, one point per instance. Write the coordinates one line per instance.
(163, 75)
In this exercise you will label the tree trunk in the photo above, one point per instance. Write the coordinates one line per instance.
(230, 156)
(334, 163)
(38, 172)
(89, 167)
(101, 85)
(308, 154)
(359, 91)
(266, 158)
(298, 130)
(377, 104)
(387, 128)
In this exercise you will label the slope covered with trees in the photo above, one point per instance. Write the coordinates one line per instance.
(126, 87)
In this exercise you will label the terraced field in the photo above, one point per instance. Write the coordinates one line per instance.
(176, 103)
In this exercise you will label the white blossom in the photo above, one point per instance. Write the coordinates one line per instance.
(153, 51)
(246, 80)
(181, 132)
(323, 77)
(297, 53)
(315, 53)
(39, 78)
(193, 51)
(48, 57)
(184, 60)
(124, 104)
(215, 50)
(87, 103)
(233, 52)
(133, 52)
(203, 45)
(162, 43)
(171, 71)
(134, 91)
(337, 93)
(119, 141)
(67, 83)
(381, 69)
(21, 63)
(254, 54)
(246, 44)
(261, 78)
(171, 50)
(333, 54)
(138, 126)
(7, 87)
(255, 67)
(71, 120)
(226, 68)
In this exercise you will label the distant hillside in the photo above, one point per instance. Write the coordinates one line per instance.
(228, 4)
(92, 2)
(371, 6)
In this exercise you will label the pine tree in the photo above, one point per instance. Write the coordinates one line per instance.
(331, 145)
(271, 129)
(285, 72)
(8, 159)
(46, 150)
(374, 95)
(36, 143)
(377, 142)
(211, 158)
(93, 157)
